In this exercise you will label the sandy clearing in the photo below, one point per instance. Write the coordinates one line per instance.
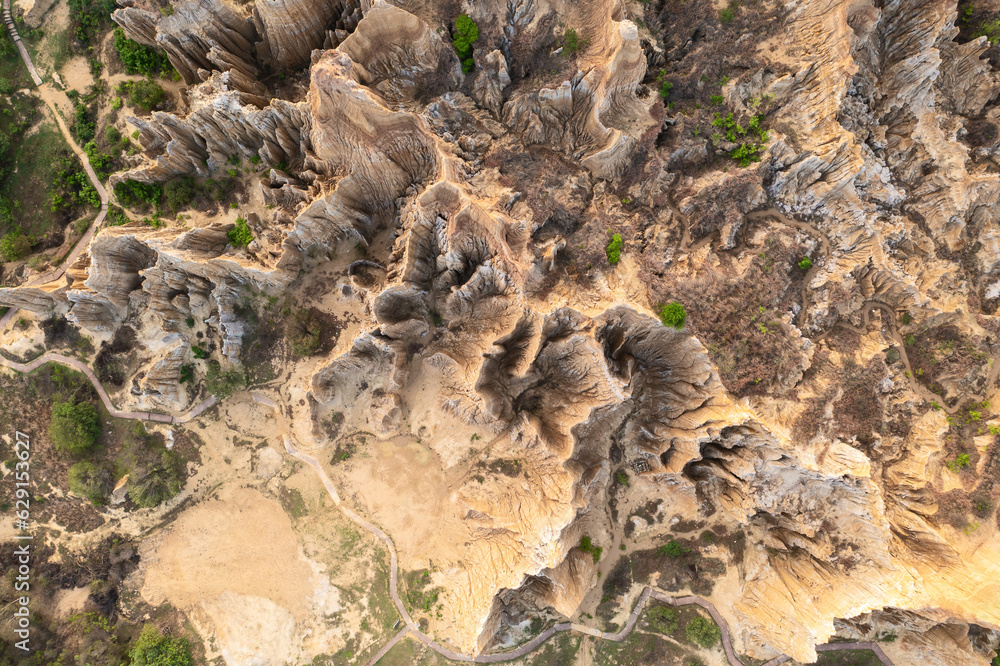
(240, 544)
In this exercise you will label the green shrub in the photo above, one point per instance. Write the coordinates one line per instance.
(663, 619)
(116, 216)
(673, 549)
(805, 263)
(702, 632)
(466, 34)
(240, 235)
(673, 315)
(179, 192)
(729, 13)
(614, 249)
(746, 153)
(139, 58)
(717, 100)
(959, 463)
(89, 16)
(83, 126)
(303, 331)
(223, 383)
(621, 477)
(133, 194)
(74, 428)
(86, 480)
(145, 94)
(154, 472)
(15, 245)
(154, 649)
(588, 547)
(572, 44)
(989, 29)
(187, 374)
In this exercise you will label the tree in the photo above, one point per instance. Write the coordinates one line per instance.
(702, 632)
(673, 315)
(240, 235)
(614, 249)
(154, 649)
(15, 245)
(145, 94)
(139, 58)
(465, 35)
(74, 428)
(155, 473)
(86, 480)
(303, 331)
(663, 619)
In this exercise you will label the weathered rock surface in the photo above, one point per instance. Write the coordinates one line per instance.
(814, 411)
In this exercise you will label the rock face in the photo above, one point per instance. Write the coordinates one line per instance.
(816, 183)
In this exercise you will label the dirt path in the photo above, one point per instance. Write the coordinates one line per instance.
(84, 241)
(76, 364)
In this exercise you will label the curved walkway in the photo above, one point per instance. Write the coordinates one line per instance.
(17, 41)
(76, 364)
(84, 241)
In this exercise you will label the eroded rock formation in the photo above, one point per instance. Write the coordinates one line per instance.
(840, 293)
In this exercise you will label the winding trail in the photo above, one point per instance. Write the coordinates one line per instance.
(84, 240)
(76, 364)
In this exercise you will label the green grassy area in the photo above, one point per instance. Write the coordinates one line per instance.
(409, 652)
(638, 648)
(38, 160)
(560, 650)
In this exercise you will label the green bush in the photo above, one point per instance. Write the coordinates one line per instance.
(86, 480)
(588, 547)
(466, 34)
(621, 477)
(74, 428)
(179, 192)
(154, 472)
(145, 94)
(15, 245)
(83, 126)
(303, 331)
(154, 649)
(223, 383)
(665, 86)
(614, 249)
(729, 13)
(139, 58)
(572, 44)
(989, 29)
(805, 263)
(702, 632)
(240, 235)
(663, 619)
(673, 549)
(133, 194)
(673, 315)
